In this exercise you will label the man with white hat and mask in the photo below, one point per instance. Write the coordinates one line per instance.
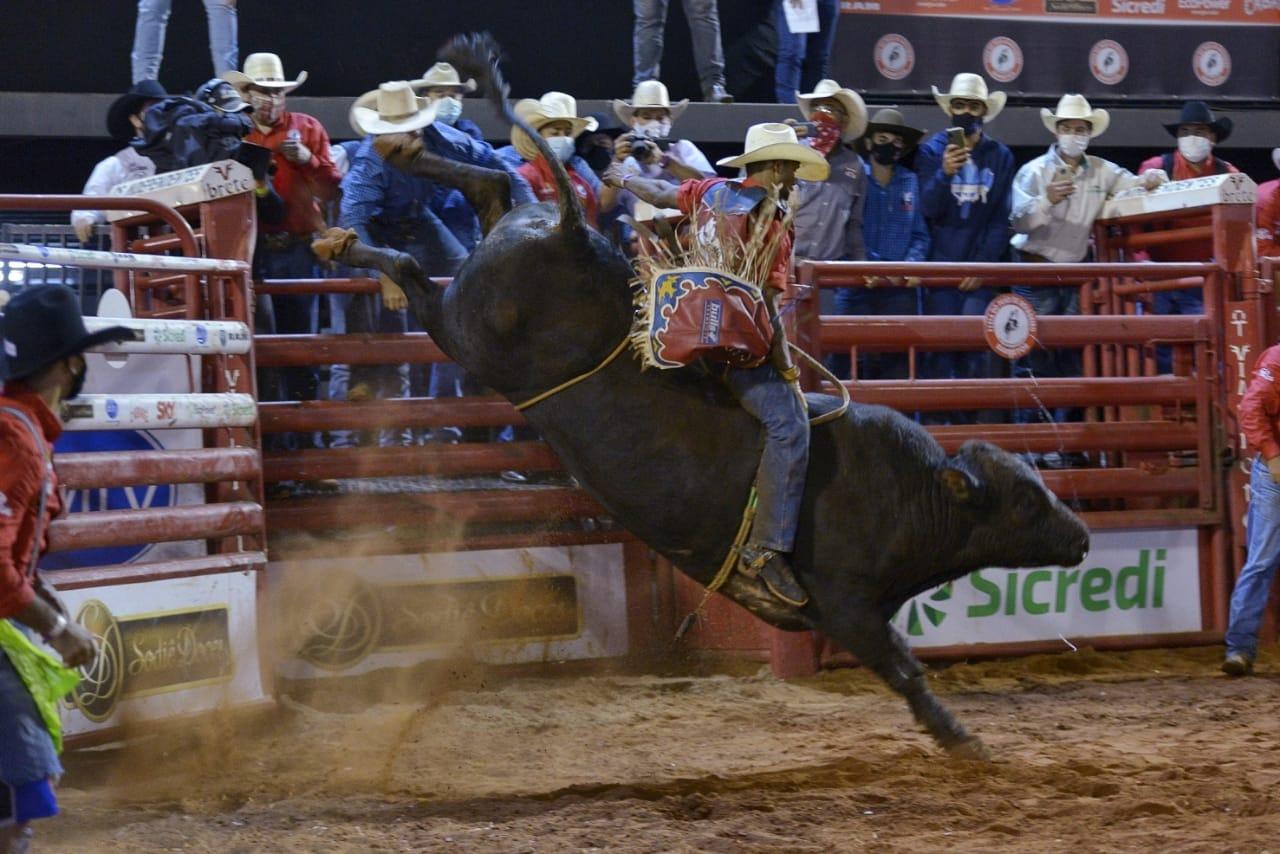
(441, 85)
(1056, 198)
(1268, 213)
(964, 192)
(773, 160)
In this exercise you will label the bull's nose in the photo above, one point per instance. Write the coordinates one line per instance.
(1082, 548)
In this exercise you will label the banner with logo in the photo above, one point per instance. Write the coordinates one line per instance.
(168, 649)
(1133, 582)
(347, 616)
(1166, 49)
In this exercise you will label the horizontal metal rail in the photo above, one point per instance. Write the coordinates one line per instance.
(300, 545)
(935, 395)
(1120, 482)
(195, 337)
(829, 273)
(439, 508)
(133, 468)
(167, 525)
(182, 229)
(900, 332)
(294, 351)
(442, 460)
(159, 411)
(293, 416)
(291, 287)
(98, 260)
(130, 573)
(1077, 436)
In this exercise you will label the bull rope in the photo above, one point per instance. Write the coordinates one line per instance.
(617, 351)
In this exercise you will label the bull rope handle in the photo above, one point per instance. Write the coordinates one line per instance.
(840, 410)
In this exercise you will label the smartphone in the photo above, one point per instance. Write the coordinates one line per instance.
(955, 136)
(1064, 173)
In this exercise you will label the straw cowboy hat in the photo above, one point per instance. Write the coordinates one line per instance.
(443, 74)
(649, 94)
(775, 141)
(551, 107)
(1198, 113)
(890, 120)
(970, 87)
(266, 71)
(852, 101)
(1075, 107)
(391, 108)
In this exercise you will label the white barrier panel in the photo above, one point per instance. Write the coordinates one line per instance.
(169, 648)
(1232, 189)
(197, 337)
(351, 616)
(60, 257)
(158, 411)
(1133, 582)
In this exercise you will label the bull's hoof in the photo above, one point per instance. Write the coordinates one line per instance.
(333, 243)
(971, 749)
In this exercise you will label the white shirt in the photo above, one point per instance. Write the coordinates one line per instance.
(125, 165)
(1061, 232)
(682, 151)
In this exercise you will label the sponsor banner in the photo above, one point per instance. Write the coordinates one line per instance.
(1135, 582)
(892, 54)
(1103, 11)
(345, 616)
(169, 648)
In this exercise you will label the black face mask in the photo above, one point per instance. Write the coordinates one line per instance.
(77, 384)
(968, 122)
(598, 158)
(886, 153)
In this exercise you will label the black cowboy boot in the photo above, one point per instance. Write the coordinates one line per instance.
(774, 570)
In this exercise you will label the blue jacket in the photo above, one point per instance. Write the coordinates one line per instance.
(968, 213)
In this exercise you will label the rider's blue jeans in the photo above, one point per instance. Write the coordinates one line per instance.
(1249, 599)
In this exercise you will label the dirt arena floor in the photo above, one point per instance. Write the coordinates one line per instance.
(1150, 751)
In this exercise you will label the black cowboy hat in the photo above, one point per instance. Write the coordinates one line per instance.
(128, 104)
(42, 324)
(1198, 113)
(890, 120)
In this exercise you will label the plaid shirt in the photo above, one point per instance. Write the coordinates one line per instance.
(892, 225)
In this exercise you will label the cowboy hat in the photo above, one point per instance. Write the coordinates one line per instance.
(129, 103)
(391, 108)
(1075, 107)
(774, 141)
(1198, 113)
(649, 94)
(265, 71)
(888, 119)
(970, 87)
(42, 324)
(1275, 157)
(551, 107)
(852, 101)
(442, 74)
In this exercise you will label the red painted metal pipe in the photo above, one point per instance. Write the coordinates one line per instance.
(292, 287)
(430, 508)
(933, 395)
(1084, 436)
(899, 332)
(1143, 239)
(1120, 482)
(466, 458)
(131, 468)
(175, 220)
(1172, 517)
(1150, 287)
(287, 417)
(168, 525)
(286, 546)
(130, 573)
(829, 273)
(292, 351)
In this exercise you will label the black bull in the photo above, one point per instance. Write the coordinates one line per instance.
(670, 454)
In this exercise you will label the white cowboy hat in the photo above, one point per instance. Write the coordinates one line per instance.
(391, 108)
(970, 87)
(551, 107)
(443, 74)
(775, 141)
(1275, 157)
(1075, 107)
(264, 70)
(649, 94)
(856, 124)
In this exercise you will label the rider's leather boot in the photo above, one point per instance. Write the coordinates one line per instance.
(773, 568)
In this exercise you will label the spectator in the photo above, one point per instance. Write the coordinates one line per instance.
(804, 58)
(1056, 198)
(708, 54)
(1197, 131)
(148, 37)
(555, 117)
(442, 86)
(306, 180)
(1268, 213)
(1258, 422)
(893, 229)
(124, 122)
(965, 192)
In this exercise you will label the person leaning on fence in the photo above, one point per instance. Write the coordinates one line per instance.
(1268, 213)
(1056, 198)
(43, 341)
(124, 123)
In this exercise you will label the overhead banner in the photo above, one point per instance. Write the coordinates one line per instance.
(1167, 49)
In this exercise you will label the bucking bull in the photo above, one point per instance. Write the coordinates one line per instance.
(670, 454)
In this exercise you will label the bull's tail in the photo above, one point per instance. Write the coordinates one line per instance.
(477, 55)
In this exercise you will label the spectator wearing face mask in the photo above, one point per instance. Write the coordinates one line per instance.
(555, 117)
(442, 86)
(1197, 131)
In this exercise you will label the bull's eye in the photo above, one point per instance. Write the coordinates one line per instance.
(1028, 502)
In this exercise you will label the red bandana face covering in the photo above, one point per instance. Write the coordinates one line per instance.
(826, 133)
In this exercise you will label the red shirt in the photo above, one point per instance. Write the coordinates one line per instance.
(1268, 216)
(304, 187)
(23, 466)
(1260, 406)
(1184, 169)
(539, 176)
(688, 198)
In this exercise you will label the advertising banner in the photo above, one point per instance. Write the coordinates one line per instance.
(1133, 582)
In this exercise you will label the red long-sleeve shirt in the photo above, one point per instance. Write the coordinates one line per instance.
(1184, 169)
(689, 198)
(304, 187)
(24, 465)
(1260, 406)
(1268, 218)
(543, 184)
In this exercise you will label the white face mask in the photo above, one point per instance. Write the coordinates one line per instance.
(653, 128)
(1073, 144)
(448, 110)
(561, 147)
(1194, 148)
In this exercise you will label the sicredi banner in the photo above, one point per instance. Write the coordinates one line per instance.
(1133, 582)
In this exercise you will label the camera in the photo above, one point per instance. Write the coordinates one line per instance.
(644, 149)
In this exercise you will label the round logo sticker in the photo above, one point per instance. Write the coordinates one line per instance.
(894, 55)
(1010, 326)
(1109, 62)
(1212, 64)
(1002, 59)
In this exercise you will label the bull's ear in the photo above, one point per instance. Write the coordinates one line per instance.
(961, 485)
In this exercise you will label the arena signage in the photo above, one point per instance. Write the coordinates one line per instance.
(1132, 582)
